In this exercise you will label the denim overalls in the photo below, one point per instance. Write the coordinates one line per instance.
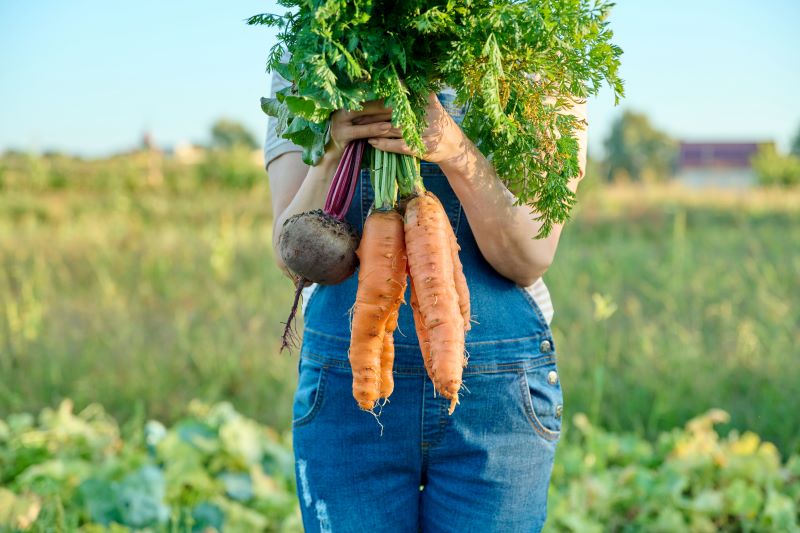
(485, 468)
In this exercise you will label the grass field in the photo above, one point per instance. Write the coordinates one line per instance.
(667, 304)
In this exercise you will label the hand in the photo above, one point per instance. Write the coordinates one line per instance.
(444, 141)
(374, 119)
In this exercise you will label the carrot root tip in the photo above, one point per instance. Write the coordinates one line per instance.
(377, 416)
(453, 402)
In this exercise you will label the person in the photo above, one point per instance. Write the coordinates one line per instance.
(487, 466)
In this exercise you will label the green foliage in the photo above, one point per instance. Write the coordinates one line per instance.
(235, 167)
(142, 299)
(637, 151)
(773, 168)
(346, 52)
(24, 171)
(794, 149)
(146, 298)
(232, 167)
(690, 480)
(213, 470)
(688, 308)
(227, 134)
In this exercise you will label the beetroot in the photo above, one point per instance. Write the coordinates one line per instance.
(320, 246)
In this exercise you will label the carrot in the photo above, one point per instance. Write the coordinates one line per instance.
(422, 332)
(460, 280)
(430, 260)
(381, 283)
(387, 357)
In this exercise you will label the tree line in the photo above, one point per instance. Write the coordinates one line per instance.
(635, 150)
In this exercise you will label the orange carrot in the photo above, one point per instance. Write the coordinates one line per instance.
(422, 332)
(387, 357)
(460, 280)
(458, 277)
(430, 262)
(381, 283)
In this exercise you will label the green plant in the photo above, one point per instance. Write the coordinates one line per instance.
(774, 168)
(213, 470)
(227, 134)
(229, 167)
(687, 480)
(637, 151)
(346, 52)
(99, 301)
(794, 149)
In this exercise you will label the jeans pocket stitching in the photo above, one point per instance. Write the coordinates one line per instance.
(536, 424)
(318, 398)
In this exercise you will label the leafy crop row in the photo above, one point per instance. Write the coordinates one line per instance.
(216, 470)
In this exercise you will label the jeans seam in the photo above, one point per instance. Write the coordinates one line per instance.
(424, 447)
(496, 368)
(539, 336)
(443, 406)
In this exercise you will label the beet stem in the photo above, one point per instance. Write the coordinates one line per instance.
(335, 192)
(342, 188)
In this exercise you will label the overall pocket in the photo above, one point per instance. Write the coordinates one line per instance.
(543, 399)
(310, 392)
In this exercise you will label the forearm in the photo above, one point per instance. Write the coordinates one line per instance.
(503, 231)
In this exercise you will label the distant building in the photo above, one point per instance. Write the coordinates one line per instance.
(717, 164)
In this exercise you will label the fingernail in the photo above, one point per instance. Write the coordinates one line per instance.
(386, 127)
(371, 141)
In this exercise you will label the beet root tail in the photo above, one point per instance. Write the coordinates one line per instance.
(289, 338)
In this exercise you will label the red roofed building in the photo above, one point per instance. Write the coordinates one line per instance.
(717, 164)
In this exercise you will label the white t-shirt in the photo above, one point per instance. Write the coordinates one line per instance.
(275, 146)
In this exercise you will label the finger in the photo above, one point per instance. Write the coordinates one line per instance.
(397, 146)
(371, 118)
(370, 107)
(393, 133)
(368, 130)
(374, 106)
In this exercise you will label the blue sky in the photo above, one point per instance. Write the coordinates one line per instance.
(90, 76)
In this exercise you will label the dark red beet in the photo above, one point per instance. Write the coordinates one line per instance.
(319, 248)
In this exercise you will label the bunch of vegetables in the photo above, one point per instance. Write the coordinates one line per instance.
(420, 245)
(515, 64)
